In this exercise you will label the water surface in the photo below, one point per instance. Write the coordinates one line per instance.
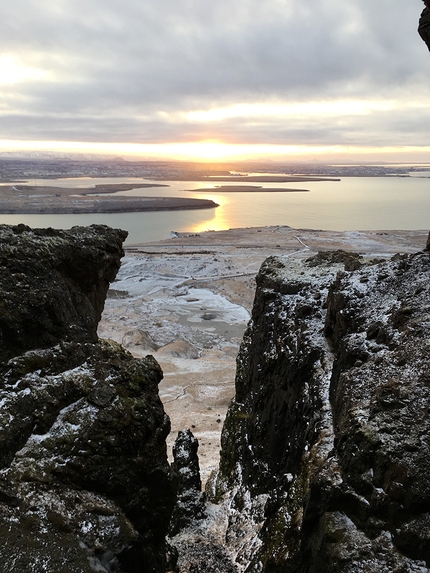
(354, 203)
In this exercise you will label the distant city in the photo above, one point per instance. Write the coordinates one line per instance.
(12, 169)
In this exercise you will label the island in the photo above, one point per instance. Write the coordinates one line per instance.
(32, 199)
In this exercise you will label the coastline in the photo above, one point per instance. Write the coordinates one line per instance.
(103, 206)
(283, 238)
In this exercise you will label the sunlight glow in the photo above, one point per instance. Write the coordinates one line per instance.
(12, 71)
(212, 151)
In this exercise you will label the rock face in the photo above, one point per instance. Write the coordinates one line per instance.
(84, 480)
(326, 449)
(424, 26)
(53, 284)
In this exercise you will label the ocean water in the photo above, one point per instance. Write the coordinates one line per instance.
(354, 203)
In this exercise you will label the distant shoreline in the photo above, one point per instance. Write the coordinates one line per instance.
(22, 199)
(246, 189)
(246, 178)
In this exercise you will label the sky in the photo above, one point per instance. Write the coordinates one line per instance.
(216, 79)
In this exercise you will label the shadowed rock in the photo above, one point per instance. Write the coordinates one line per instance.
(53, 284)
(84, 480)
(424, 24)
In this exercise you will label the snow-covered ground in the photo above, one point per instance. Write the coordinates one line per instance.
(194, 333)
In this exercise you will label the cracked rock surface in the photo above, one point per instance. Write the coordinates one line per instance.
(190, 503)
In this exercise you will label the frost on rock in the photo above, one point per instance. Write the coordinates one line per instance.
(190, 502)
(84, 480)
(325, 461)
(84, 459)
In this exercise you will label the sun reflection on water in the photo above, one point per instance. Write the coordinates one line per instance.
(220, 220)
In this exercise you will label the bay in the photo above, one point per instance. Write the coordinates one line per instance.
(354, 203)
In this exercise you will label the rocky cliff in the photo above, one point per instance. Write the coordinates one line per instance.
(84, 479)
(53, 284)
(325, 462)
(325, 456)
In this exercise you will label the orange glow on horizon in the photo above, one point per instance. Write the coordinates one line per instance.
(216, 151)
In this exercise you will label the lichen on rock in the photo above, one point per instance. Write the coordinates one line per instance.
(190, 501)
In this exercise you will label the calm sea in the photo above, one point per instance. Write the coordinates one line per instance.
(354, 203)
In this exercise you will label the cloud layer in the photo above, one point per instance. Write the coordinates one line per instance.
(268, 72)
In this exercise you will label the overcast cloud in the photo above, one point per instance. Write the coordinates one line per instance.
(138, 70)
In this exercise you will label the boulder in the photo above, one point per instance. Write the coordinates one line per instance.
(179, 349)
(138, 339)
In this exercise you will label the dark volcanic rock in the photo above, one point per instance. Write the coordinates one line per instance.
(196, 556)
(351, 260)
(326, 449)
(84, 480)
(53, 284)
(190, 504)
(424, 26)
(83, 455)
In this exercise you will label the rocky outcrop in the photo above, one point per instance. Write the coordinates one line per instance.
(53, 284)
(325, 461)
(325, 450)
(190, 503)
(424, 25)
(84, 480)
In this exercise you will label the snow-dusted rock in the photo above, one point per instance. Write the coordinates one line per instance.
(325, 450)
(190, 503)
(137, 338)
(179, 349)
(84, 480)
